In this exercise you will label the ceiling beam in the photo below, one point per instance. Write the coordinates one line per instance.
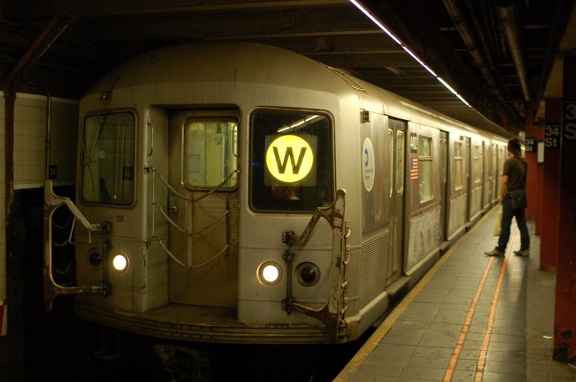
(27, 9)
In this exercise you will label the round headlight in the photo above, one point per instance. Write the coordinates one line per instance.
(269, 273)
(308, 274)
(95, 258)
(120, 262)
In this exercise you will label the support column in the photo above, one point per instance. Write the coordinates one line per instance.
(551, 184)
(565, 308)
(540, 175)
(534, 210)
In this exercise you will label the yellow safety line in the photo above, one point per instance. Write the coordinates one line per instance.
(352, 367)
(467, 323)
(486, 342)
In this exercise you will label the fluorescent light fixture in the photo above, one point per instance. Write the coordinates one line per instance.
(375, 21)
(399, 42)
(418, 60)
(453, 91)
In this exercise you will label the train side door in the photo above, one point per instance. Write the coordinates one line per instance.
(203, 208)
(397, 131)
(468, 180)
(444, 163)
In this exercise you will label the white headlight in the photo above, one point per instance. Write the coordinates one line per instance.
(269, 273)
(120, 262)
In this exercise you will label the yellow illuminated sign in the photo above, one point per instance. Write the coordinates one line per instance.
(289, 158)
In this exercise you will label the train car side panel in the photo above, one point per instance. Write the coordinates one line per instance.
(423, 199)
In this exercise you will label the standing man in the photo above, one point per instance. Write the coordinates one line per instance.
(513, 178)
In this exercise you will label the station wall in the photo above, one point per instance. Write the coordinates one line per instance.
(30, 171)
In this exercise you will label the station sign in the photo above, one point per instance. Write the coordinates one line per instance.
(531, 145)
(552, 136)
(569, 121)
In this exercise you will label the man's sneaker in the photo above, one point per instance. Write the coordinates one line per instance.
(494, 252)
(524, 253)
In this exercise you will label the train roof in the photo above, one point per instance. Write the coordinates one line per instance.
(234, 63)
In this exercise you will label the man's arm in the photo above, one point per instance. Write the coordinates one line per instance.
(503, 187)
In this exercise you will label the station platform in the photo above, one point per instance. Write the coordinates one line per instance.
(471, 318)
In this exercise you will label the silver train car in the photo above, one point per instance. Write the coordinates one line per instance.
(241, 193)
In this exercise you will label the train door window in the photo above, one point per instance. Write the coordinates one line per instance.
(477, 163)
(400, 142)
(291, 160)
(458, 166)
(108, 143)
(210, 152)
(425, 168)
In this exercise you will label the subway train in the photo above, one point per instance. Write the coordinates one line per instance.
(242, 193)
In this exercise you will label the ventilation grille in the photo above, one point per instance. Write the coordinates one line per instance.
(373, 260)
(342, 74)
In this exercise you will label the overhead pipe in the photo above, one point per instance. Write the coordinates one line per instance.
(469, 37)
(507, 16)
(37, 49)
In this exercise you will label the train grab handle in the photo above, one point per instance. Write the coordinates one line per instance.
(51, 288)
(332, 313)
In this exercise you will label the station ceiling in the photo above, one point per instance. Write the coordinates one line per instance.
(501, 56)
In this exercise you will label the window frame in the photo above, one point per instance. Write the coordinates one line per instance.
(84, 156)
(425, 161)
(234, 152)
(256, 168)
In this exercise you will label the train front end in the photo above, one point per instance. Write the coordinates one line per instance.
(207, 206)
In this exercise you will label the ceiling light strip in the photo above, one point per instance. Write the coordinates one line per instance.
(399, 42)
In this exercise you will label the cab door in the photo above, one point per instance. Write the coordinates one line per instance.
(203, 208)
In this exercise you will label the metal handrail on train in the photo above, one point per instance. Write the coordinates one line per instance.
(332, 313)
(154, 171)
(51, 288)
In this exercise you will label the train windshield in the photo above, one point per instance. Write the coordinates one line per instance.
(291, 161)
(108, 159)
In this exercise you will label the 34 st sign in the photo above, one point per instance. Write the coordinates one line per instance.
(569, 122)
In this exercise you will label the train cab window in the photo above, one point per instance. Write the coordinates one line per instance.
(210, 149)
(108, 142)
(425, 168)
(291, 160)
(458, 166)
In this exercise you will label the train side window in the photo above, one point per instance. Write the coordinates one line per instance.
(291, 160)
(425, 168)
(400, 142)
(458, 166)
(210, 147)
(108, 159)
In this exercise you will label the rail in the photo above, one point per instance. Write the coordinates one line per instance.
(51, 288)
(332, 313)
(151, 169)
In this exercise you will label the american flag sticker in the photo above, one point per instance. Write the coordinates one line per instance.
(414, 168)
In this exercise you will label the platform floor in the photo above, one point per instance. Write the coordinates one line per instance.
(471, 318)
